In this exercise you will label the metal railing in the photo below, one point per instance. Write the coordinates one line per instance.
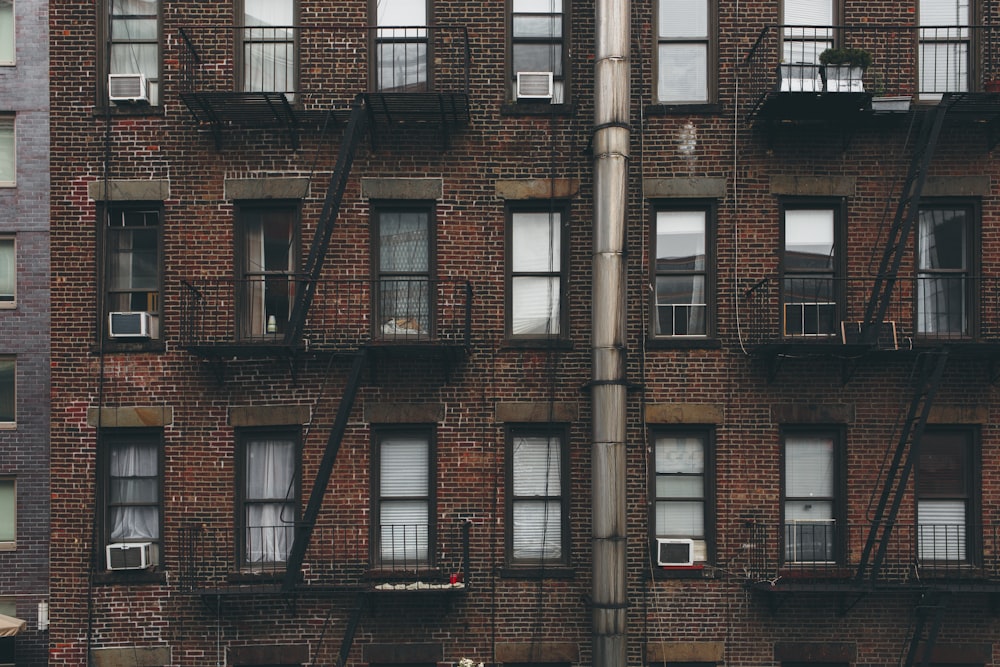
(909, 61)
(344, 315)
(810, 310)
(828, 550)
(322, 65)
(338, 556)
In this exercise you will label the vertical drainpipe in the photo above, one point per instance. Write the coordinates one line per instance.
(608, 383)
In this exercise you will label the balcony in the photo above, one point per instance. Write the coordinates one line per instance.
(226, 317)
(297, 78)
(787, 82)
(823, 315)
(409, 559)
(825, 556)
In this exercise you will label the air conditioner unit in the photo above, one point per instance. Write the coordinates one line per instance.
(129, 555)
(534, 85)
(130, 324)
(674, 552)
(127, 88)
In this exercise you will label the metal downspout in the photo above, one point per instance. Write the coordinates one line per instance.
(608, 387)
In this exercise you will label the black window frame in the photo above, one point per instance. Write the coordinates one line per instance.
(264, 34)
(950, 437)
(107, 40)
(109, 438)
(380, 434)
(711, 42)
(107, 213)
(9, 302)
(709, 207)
(563, 41)
(835, 273)
(838, 435)
(4, 360)
(241, 523)
(411, 35)
(561, 208)
(406, 326)
(538, 430)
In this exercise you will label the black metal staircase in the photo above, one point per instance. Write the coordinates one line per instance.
(930, 615)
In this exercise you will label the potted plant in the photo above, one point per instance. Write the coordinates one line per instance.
(886, 104)
(843, 68)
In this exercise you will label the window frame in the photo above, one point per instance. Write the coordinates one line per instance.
(380, 434)
(154, 87)
(109, 438)
(403, 331)
(965, 34)
(244, 438)
(247, 213)
(710, 40)
(10, 424)
(537, 207)
(706, 433)
(10, 118)
(968, 437)
(971, 301)
(106, 211)
(12, 36)
(835, 273)
(422, 34)
(559, 96)
(11, 544)
(549, 431)
(709, 207)
(247, 36)
(12, 240)
(838, 501)
(831, 39)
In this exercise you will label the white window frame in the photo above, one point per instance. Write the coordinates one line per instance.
(10, 37)
(10, 269)
(8, 139)
(12, 359)
(11, 481)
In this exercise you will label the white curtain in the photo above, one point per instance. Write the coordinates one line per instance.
(270, 494)
(809, 491)
(135, 34)
(537, 504)
(134, 493)
(941, 279)
(404, 508)
(535, 267)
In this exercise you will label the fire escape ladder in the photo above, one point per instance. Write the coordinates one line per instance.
(931, 368)
(356, 127)
(304, 529)
(930, 610)
(350, 630)
(902, 224)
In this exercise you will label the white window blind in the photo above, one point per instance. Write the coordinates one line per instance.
(536, 284)
(8, 510)
(8, 270)
(537, 506)
(404, 485)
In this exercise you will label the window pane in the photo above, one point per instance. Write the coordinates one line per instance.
(537, 6)
(404, 467)
(536, 466)
(8, 510)
(269, 12)
(683, 73)
(680, 240)
(809, 467)
(536, 242)
(404, 531)
(809, 239)
(7, 155)
(943, 239)
(8, 270)
(401, 13)
(680, 486)
(944, 12)
(133, 477)
(403, 242)
(679, 462)
(7, 389)
(679, 454)
(941, 529)
(808, 12)
(680, 519)
(537, 530)
(538, 58)
(537, 26)
(535, 306)
(683, 18)
(7, 31)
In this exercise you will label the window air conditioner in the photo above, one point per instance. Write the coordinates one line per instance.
(129, 555)
(127, 88)
(673, 552)
(534, 85)
(132, 324)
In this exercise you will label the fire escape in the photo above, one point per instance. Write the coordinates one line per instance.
(422, 99)
(805, 96)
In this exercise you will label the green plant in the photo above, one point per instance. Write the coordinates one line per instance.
(846, 55)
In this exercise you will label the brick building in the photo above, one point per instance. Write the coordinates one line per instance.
(24, 326)
(338, 287)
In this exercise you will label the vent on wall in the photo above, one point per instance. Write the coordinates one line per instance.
(128, 88)
(534, 85)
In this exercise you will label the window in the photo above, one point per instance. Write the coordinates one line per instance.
(404, 259)
(807, 30)
(8, 272)
(269, 495)
(683, 284)
(8, 513)
(8, 151)
(133, 272)
(810, 271)
(682, 488)
(401, 45)
(134, 493)
(267, 259)
(537, 279)
(812, 496)
(944, 47)
(538, 38)
(537, 496)
(403, 497)
(135, 41)
(945, 495)
(7, 33)
(684, 51)
(8, 390)
(944, 260)
(268, 52)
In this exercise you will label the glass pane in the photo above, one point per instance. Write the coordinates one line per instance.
(270, 469)
(7, 389)
(680, 454)
(401, 12)
(403, 243)
(536, 242)
(942, 238)
(809, 467)
(683, 73)
(269, 12)
(944, 12)
(941, 305)
(534, 306)
(680, 241)
(537, 26)
(403, 535)
(680, 486)
(941, 528)
(683, 18)
(135, 58)
(8, 270)
(537, 6)
(538, 58)
(808, 12)
(536, 466)
(944, 67)
(537, 530)
(404, 467)
(7, 31)
(8, 510)
(809, 240)
(134, 523)
(402, 64)
(270, 530)
(269, 67)
(680, 519)
(7, 149)
(809, 540)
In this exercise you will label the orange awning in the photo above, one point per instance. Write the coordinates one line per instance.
(10, 626)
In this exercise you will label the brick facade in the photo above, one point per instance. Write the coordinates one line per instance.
(200, 402)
